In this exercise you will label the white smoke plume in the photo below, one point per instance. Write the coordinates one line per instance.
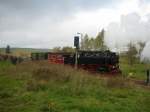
(131, 28)
(145, 56)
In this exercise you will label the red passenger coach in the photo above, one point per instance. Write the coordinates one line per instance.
(56, 58)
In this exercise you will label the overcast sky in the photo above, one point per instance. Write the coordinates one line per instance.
(50, 23)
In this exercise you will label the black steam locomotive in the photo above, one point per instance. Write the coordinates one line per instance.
(98, 61)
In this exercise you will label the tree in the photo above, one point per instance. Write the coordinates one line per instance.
(85, 42)
(99, 41)
(8, 49)
(82, 43)
(56, 49)
(68, 49)
(92, 44)
(131, 53)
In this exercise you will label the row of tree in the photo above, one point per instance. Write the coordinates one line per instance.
(64, 49)
(90, 43)
(87, 43)
(135, 51)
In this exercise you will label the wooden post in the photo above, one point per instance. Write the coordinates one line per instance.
(148, 76)
(76, 59)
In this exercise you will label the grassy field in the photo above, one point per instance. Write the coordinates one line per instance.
(137, 70)
(42, 87)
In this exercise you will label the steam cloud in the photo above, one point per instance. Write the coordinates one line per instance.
(131, 28)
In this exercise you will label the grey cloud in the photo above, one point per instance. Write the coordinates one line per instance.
(25, 22)
(54, 8)
(21, 4)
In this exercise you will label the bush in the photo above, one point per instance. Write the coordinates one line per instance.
(53, 72)
(5, 94)
(32, 85)
(112, 82)
(49, 106)
(42, 74)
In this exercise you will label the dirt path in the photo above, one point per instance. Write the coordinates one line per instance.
(138, 82)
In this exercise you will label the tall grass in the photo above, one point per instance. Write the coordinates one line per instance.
(4, 65)
(44, 87)
(137, 70)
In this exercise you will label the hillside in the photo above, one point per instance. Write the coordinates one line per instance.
(42, 87)
(24, 51)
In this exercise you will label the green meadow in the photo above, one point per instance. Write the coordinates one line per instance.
(42, 87)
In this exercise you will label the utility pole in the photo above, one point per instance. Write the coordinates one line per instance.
(76, 59)
(81, 39)
(76, 44)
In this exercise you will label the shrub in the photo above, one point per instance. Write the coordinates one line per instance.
(114, 82)
(31, 85)
(42, 74)
(49, 106)
(5, 94)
